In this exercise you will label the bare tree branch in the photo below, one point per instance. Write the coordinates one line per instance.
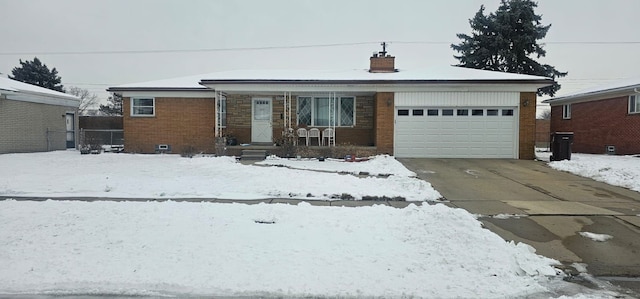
(87, 99)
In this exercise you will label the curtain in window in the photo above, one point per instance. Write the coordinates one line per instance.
(323, 112)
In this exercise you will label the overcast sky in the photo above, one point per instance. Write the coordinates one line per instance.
(97, 44)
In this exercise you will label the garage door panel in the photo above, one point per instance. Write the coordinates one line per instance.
(457, 136)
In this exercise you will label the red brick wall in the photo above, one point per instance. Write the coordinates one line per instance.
(527, 126)
(600, 123)
(382, 64)
(179, 122)
(543, 127)
(384, 122)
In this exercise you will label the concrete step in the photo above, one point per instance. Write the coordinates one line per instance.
(253, 155)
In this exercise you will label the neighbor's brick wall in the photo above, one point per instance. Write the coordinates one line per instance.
(179, 122)
(239, 119)
(527, 126)
(24, 125)
(598, 124)
(543, 127)
(384, 122)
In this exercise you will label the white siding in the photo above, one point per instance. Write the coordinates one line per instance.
(457, 99)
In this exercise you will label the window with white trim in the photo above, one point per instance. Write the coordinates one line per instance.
(223, 111)
(634, 103)
(325, 111)
(143, 107)
(566, 111)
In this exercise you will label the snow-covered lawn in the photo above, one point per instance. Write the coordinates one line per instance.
(153, 248)
(67, 173)
(275, 250)
(623, 171)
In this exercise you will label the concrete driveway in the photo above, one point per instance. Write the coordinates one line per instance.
(529, 202)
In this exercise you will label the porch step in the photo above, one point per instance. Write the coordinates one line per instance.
(253, 154)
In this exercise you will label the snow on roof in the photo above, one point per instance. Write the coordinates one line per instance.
(611, 87)
(21, 87)
(449, 73)
(188, 82)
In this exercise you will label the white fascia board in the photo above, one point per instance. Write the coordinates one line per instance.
(279, 88)
(41, 99)
(594, 96)
(169, 94)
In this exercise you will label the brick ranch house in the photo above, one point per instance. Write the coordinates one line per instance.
(448, 112)
(36, 119)
(604, 119)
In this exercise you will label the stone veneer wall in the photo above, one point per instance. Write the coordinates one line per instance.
(239, 119)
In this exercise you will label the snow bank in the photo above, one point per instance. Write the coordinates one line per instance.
(181, 248)
(378, 165)
(621, 171)
(67, 173)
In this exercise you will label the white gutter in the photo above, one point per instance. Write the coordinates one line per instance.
(594, 95)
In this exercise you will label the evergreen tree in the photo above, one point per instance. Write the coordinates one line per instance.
(506, 41)
(36, 73)
(114, 107)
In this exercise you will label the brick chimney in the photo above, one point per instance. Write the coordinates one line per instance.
(381, 62)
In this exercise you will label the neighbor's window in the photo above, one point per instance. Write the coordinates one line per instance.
(325, 111)
(566, 111)
(143, 107)
(634, 103)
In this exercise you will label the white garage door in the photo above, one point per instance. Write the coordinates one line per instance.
(461, 132)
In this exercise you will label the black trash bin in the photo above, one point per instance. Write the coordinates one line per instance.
(561, 146)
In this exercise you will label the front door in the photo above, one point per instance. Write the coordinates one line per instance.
(71, 130)
(261, 130)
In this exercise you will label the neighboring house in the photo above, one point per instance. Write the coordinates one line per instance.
(449, 112)
(543, 131)
(36, 119)
(605, 119)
